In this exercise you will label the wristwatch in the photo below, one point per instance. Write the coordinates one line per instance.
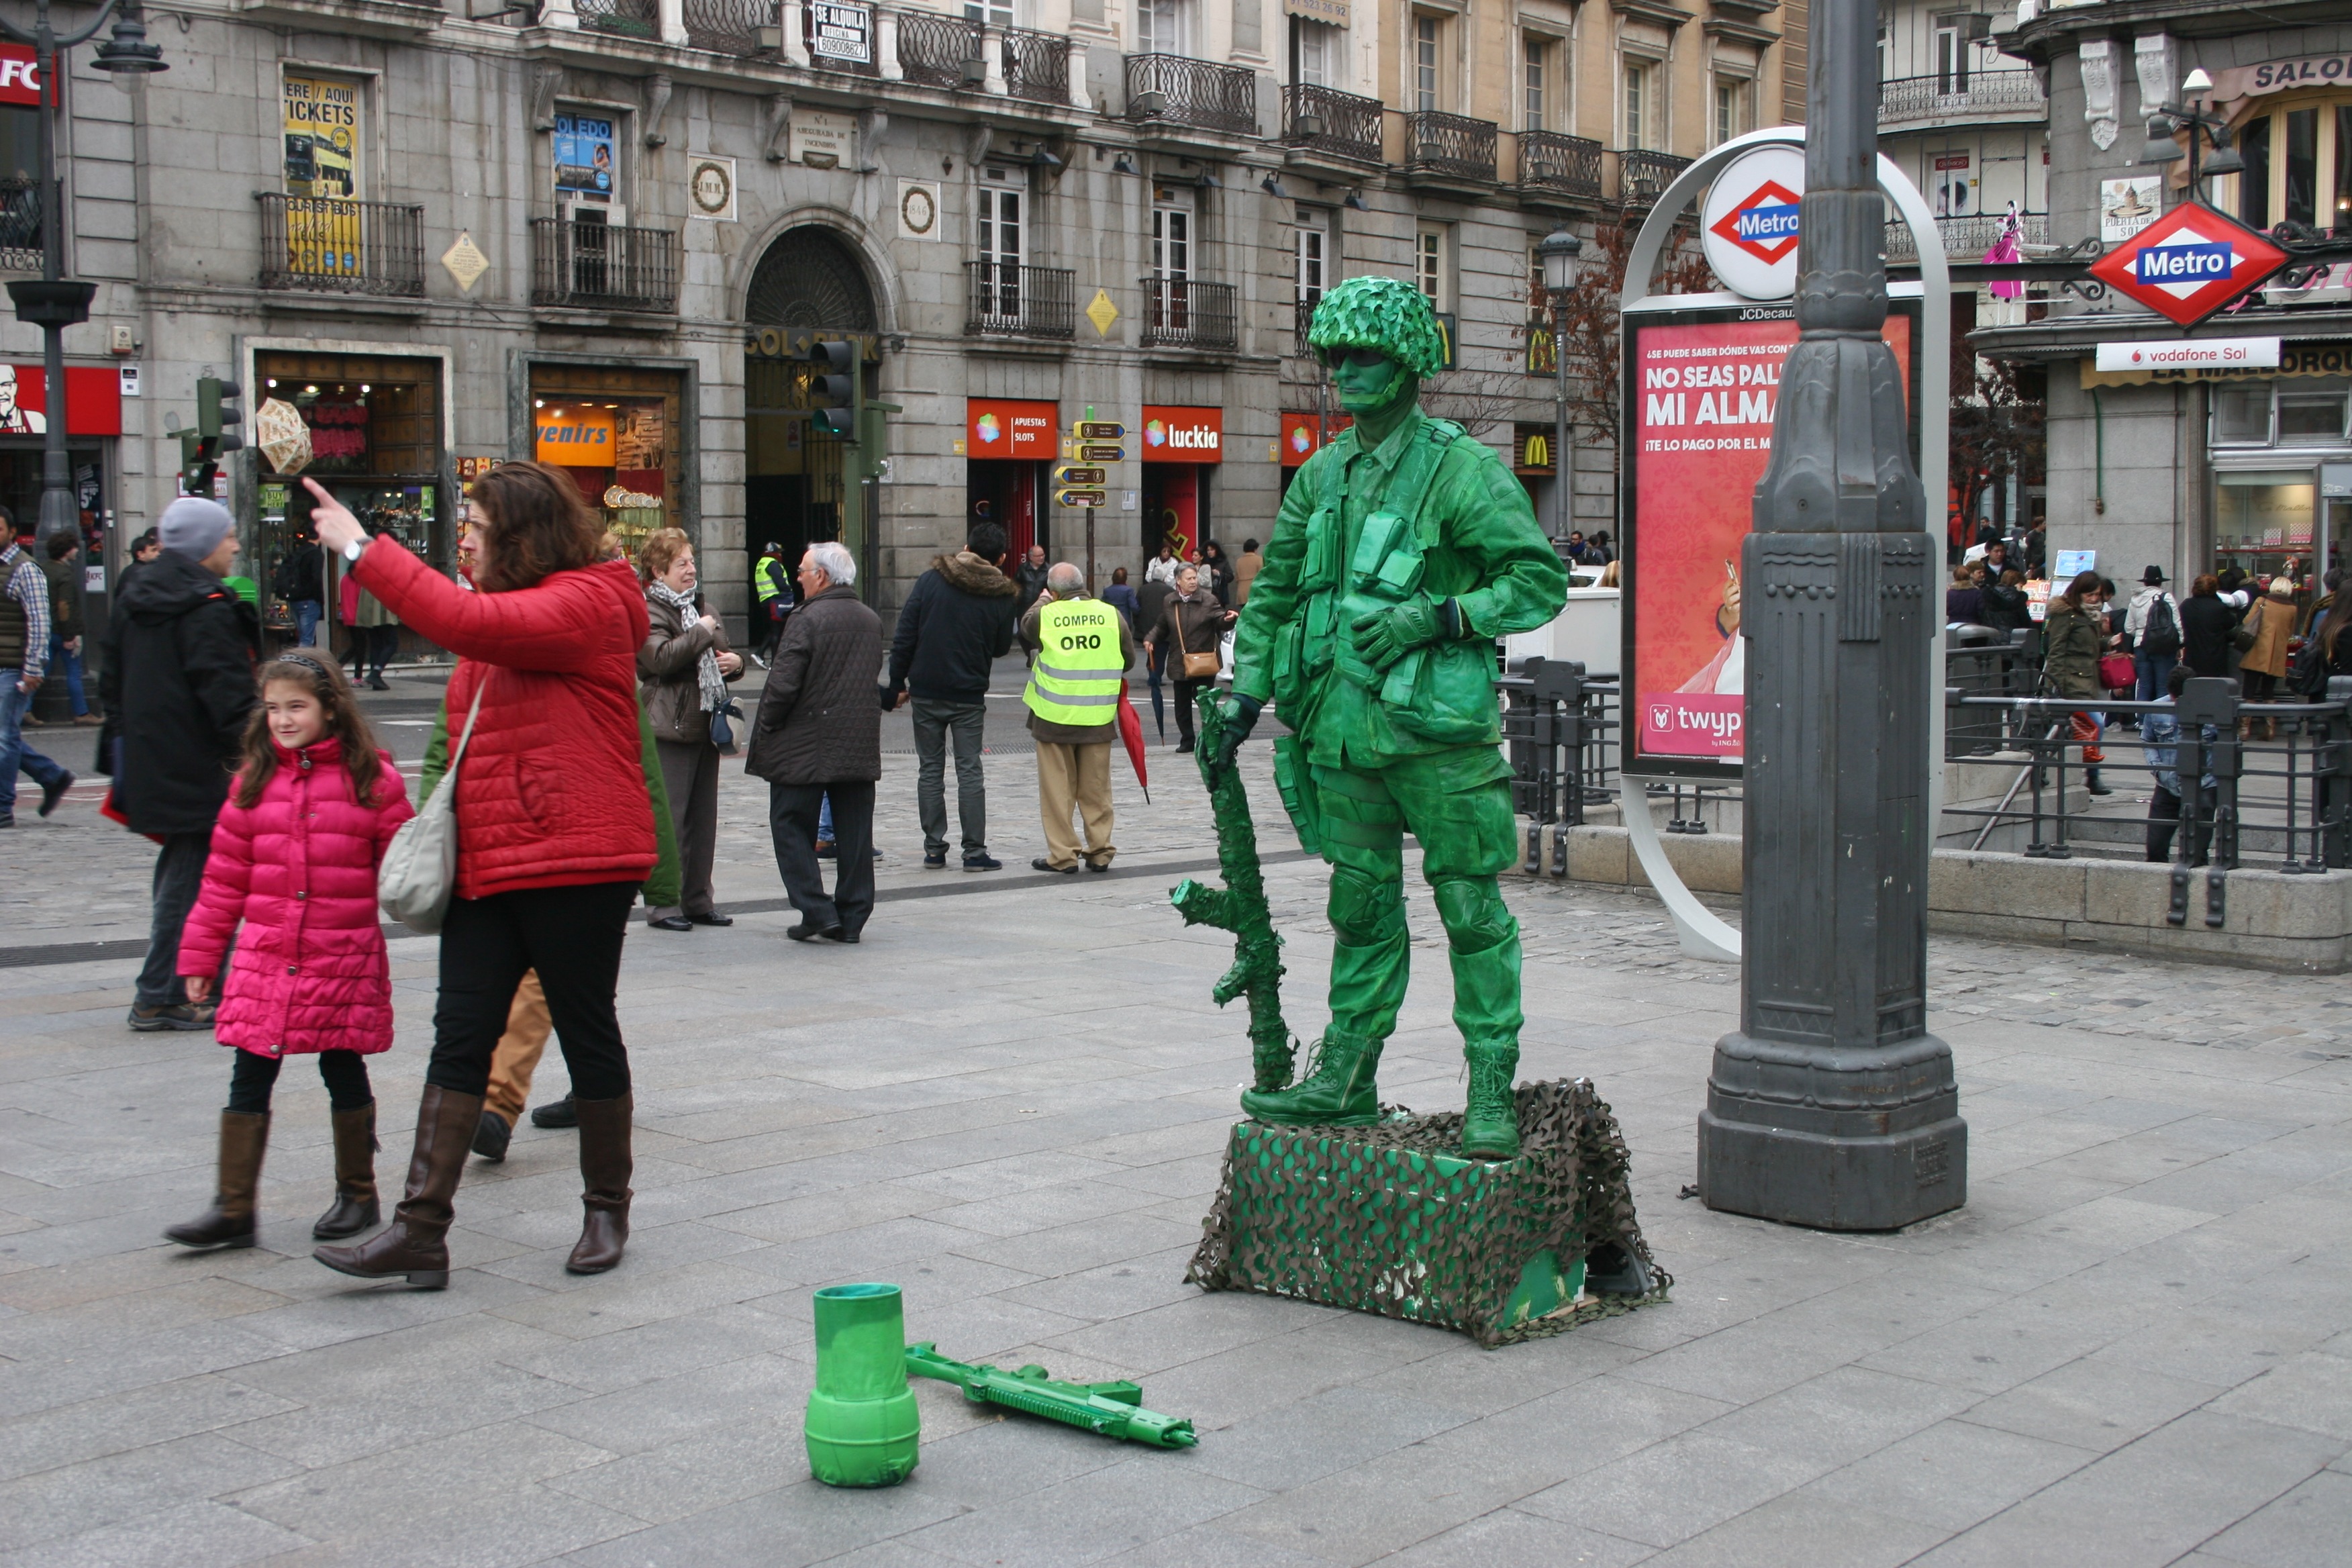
(354, 549)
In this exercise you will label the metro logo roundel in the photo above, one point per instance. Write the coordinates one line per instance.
(1748, 223)
(2190, 263)
(1763, 223)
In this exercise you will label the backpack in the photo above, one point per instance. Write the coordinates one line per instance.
(2307, 676)
(2161, 635)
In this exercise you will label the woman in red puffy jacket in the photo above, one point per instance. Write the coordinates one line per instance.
(555, 832)
(294, 858)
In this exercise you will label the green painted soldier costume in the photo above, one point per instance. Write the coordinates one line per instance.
(1402, 550)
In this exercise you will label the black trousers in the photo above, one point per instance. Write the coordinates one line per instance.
(573, 937)
(1186, 691)
(179, 876)
(2164, 821)
(344, 1073)
(792, 822)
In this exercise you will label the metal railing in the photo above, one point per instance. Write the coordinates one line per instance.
(1036, 66)
(1644, 175)
(728, 26)
(1186, 313)
(1302, 316)
(328, 246)
(20, 225)
(1911, 97)
(598, 266)
(629, 18)
(1569, 165)
(932, 48)
(1966, 239)
(1002, 297)
(1451, 144)
(1191, 92)
(1330, 120)
(1560, 728)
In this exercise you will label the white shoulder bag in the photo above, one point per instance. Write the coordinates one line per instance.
(420, 864)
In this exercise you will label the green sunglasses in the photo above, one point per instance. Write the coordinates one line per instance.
(1366, 358)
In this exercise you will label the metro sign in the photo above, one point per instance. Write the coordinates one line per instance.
(1763, 223)
(2190, 263)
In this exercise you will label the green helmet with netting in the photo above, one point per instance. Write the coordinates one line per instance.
(1384, 313)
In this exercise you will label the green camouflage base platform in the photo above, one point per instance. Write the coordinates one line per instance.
(1390, 1219)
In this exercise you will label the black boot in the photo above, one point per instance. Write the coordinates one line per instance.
(230, 1222)
(2091, 781)
(356, 1207)
(563, 1112)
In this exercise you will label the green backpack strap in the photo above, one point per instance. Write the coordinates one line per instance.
(1408, 490)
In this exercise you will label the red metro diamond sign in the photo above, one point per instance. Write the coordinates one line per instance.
(1764, 222)
(2190, 263)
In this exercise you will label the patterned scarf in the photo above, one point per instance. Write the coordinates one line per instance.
(714, 685)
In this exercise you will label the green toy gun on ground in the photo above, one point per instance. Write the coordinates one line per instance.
(1110, 1409)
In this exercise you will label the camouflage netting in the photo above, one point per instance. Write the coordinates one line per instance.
(1390, 1219)
(1384, 313)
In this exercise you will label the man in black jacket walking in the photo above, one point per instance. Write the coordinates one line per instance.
(178, 687)
(956, 624)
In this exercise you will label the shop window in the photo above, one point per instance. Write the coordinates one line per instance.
(616, 431)
(2262, 520)
(2242, 415)
(2310, 416)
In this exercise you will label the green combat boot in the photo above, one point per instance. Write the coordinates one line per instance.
(1340, 1092)
(1490, 1127)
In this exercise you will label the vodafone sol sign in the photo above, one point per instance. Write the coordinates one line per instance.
(1748, 226)
(2191, 353)
(1177, 435)
(20, 78)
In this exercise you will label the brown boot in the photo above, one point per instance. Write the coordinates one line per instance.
(412, 1243)
(604, 1170)
(355, 1208)
(230, 1222)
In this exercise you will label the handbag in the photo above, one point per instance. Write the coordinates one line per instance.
(2117, 671)
(420, 864)
(1197, 666)
(722, 735)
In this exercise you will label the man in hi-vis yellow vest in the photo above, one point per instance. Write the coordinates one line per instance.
(1081, 649)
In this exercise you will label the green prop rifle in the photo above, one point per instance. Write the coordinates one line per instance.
(1109, 1409)
(1240, 908)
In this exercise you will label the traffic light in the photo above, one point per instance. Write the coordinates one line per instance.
(202, 447)
(833, 392)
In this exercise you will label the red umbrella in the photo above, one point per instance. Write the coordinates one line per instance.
(1130, 729)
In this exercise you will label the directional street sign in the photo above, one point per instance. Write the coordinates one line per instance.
(1072, 474)
(1102, 453)
(1100, 430)
(1080, 497)
(2190, 263)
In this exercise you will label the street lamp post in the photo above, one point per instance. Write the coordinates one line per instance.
(2162, 149)
(1559, 251)
(1832, 1105)
(53, 301)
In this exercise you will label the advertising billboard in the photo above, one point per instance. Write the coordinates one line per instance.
(1702, 378)
(585, 165)
(1175, 434)
(322, 124)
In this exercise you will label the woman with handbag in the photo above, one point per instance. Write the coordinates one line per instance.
(1191, 624)
(2073, 637)
(554, 834)
(682, 672)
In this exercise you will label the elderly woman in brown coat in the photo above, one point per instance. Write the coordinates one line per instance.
(682, 674)
(1191, 623)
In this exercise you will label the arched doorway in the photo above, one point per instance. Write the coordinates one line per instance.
(811, 282)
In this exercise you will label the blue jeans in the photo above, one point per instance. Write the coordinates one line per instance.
(14, 753)
(70, 665)
(306, 620)
(825, 818)
(2154, 670)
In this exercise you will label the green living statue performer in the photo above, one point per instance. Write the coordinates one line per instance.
(1402, 550)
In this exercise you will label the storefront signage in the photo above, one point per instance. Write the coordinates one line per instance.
(2190, 263)
(2244, 353)
(1702, 387)
(1953, 160)
(838, 32)
(1174, 435)
(2277, 76)
(20, 75)
(1748, 224)
(574, 437)
(1534, 451)
(1304, 434)
(585, 165)
(1000, 428)
(2294, 359)
(93, 400)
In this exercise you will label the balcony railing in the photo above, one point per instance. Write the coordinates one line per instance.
(20, 225)
(1449, 144)
(1036, 66)
(1302, 316)
(328, 245)
(597, 265)
(1000, 297)
(1643, 175)
(1171, 88)
(1566, 165)
(1185, 313)
(1966, 239)
(629, 18)
(1949, 96)
(1330, 120)
(724, 26)
(933, 49)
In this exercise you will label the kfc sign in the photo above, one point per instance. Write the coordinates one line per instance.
(1172, 434)
(20, 76)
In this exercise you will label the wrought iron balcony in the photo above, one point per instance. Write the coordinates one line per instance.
(1302, 316)
(1950, 96)
(1451, 145)
(328, 246)
(1643, 175)
(1966, 239)
(1003, 298)
(1171, 89)
(1036, 66)
(1186, 313)
(627, 18)
(1561, 164)
(722, 27)
(1330, 120)
(20, 225)
(935, 50)
(602, 266)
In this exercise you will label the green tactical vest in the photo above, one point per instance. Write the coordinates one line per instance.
(1078, 674)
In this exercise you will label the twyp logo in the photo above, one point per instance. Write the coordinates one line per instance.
(1764, 223)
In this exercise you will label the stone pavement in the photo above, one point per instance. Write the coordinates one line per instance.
(2133, 1346)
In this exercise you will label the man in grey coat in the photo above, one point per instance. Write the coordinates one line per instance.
(818, 734)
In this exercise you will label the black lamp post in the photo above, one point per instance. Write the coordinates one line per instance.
(2162, 149)
(1558, 251)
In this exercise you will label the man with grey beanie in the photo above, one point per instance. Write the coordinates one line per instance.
(179, 687)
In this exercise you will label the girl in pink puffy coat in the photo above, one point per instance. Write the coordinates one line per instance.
(294, 858)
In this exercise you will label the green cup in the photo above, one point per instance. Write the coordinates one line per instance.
(862, 1429)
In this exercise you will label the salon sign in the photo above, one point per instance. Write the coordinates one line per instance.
(2279, 76)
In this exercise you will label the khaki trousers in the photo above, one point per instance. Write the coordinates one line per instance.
(1075, 779)
(516, 1054)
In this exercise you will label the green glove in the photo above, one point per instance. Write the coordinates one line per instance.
(1240, 718)
(1384, 636)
